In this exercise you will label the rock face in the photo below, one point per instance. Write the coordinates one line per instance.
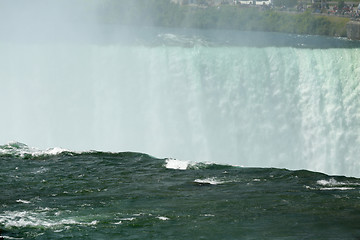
(353, 30)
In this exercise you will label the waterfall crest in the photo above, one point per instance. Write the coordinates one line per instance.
(267, 107)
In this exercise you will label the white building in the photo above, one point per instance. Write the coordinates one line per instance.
(219, 2)
(254, 2)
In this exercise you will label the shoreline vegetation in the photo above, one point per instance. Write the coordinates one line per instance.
(164, 13)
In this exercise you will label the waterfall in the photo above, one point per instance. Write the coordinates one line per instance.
(256, 107)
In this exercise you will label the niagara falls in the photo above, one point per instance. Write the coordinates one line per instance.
(112, 129)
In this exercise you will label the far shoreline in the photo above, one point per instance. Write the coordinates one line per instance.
(163, 13)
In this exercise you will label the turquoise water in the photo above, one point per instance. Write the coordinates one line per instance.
(57, 194)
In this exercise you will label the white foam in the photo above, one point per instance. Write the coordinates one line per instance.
(337, 188)
(163, 218)
(333, 183)
(36, 219)
(94, 222)
(22, 150)
(55, 151)
(128, 219)
(48, 152)
(207, 215)
(7, 237)
(172, 163)
(212, 181)
(23, 201)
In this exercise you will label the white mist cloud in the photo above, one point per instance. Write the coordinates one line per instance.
(40, 20)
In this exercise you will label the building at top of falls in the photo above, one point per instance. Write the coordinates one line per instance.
(222, 2)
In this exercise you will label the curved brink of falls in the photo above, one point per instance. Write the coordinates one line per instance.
(278, 107)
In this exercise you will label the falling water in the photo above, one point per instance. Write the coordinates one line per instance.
(284, 107)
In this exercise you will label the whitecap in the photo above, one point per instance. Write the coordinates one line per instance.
(163, 218)
(23, 219)
(207, 215)
(55, 151)
(333, 183)
(128, 219)
(36, 219)
(330, 182)
(22, 150)
(172, 163)
(8, 237)
(337, 188)
(91, 223)
(211, 181)
(23, 201)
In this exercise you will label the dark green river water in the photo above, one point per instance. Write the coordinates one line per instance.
(56, 194)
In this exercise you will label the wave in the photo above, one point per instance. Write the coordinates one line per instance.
(38, 218)
(332, 184)
(211, 181)
(172, 163)
(229, 174)
(22, 150)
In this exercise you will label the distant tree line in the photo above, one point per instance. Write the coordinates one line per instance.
(167, 14)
